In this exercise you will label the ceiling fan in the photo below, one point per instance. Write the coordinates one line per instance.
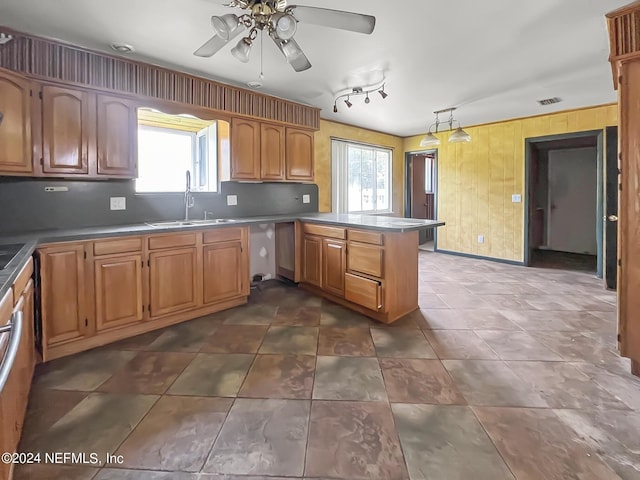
(280, 21)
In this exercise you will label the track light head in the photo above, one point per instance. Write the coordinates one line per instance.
(349, 104)
(367, 100)
(335, 108)
(382, 93)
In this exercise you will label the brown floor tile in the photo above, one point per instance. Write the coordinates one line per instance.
(176, 435)
(447, 287)
(461, 319)
(431, 300)
(139, 342)
(349, 378)
(535, 320)
(353, 440)
(419, 381)
(184, 337)
(333, 315)
(148, 372)
(292, 340)
(280, 376)
(42, 471)
(401, 343)
(516, 346)
(213, 375)
(99, 423)
(488, 382)
(124, 474)
(463, 300)
(623, 386)
(235, 339)
(295, 316)
(262, 437)
(447, 442)
(251, 314)
(345, 342)
(459, 345)
(85, 371)
(578, 347)
(536, 444)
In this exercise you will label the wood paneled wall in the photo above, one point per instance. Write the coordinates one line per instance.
(476, 180)
(48, 60)
(347, 132)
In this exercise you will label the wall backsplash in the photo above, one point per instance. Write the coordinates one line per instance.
(25, 206)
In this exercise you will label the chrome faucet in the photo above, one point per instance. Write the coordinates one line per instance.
(188, 198)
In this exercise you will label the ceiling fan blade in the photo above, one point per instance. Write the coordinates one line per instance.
(354, 22)
(293, 53)
(215, 43)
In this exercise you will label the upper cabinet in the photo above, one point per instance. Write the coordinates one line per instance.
(271, 152)
(299, 155)
(67, 130)
(117, 137)
(16, 148)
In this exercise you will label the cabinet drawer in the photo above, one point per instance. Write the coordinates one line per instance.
(365, 258)
(222, 235)
(323, 231)
(171, 241)
(22, 280)
(363, 291)
(117, 245)
(375, 238)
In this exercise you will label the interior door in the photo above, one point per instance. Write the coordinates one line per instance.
(611, 212)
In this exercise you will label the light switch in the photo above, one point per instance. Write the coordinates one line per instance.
(516, 198)
(480, 238)
(306, 198)
(118, 203)
(232, 200)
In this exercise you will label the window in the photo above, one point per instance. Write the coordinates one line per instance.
(429, 172)
(361, 178)
(168, 146)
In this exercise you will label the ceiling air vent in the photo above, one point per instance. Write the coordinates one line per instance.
(549, 101)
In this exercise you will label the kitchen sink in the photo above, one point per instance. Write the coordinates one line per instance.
(190, 223)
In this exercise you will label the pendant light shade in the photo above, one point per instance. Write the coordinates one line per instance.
(242, 50)
(459, 136)
(285, 26)
(225, 25)
(429, 140)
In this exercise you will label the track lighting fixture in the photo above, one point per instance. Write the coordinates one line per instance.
(459, 135)
(356, 91)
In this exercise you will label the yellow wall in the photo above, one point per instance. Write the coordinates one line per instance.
(476, 179)
(323, 159)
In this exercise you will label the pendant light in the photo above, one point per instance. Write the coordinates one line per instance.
(458, 136)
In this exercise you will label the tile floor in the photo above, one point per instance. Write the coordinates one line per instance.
(504, 373)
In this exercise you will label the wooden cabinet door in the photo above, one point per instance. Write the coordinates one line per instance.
(68, 130)
(334, 263)
(223, 271)
(299, 155)
(16, 149)
(245, 149)
(118, 291)
(117, 137)
(272, 148)
(312, 260)
(173, 281)
(62, 284)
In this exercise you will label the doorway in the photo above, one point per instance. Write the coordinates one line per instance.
(565, 202)
(421, 192)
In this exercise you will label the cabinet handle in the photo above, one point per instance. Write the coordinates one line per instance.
(15, 329)
(1, 117)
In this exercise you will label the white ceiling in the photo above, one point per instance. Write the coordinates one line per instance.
(491, 58)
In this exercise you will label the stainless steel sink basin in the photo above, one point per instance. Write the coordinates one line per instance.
(190, 223)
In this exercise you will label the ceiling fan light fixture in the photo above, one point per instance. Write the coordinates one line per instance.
(225, 25)
(459, 136)
(242, 50)
(285, 25)
(429, 140)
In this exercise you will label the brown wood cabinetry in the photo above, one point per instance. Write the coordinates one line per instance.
(63, 294)
(312, 260)
(117, 137)
(16, 150)
(334, 259)
(68, 128)
(272, 151)
(245, 149)
(173, 281)
(118, 290)
(223, 271)
(299, 154)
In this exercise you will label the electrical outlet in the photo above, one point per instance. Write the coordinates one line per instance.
(480, 238)
(306, 198)
(118, 203)
(56, 189)
(232, 200)
(516, 198)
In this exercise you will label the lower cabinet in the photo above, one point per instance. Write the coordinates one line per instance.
(222, 271)
(172, 281)
(118, 290)
(312, 260)
(334, 260)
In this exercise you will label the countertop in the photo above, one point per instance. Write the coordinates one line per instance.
(32, 239)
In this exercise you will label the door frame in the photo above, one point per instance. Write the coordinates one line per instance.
(408, 186)
(531, 143)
